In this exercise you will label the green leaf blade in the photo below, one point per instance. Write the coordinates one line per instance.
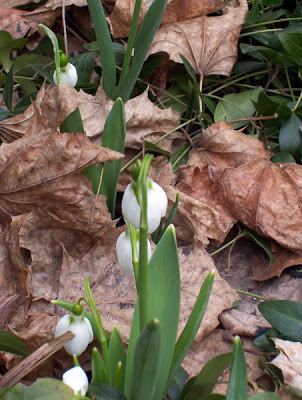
(237, 388)
(12, 344)
(146, 362)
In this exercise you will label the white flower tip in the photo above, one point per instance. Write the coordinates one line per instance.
(69, 76)
(77, 380)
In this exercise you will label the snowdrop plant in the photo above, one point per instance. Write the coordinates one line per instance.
(154, 354)
(79, 326)
(64, 72)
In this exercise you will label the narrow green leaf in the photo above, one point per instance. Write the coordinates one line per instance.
(99, 373)
(188, 334)
(103, 391)
(208, 376)
(42, 72)
(164, 300)
(153, 147)
(285, 316)
(237, 387)
(105, 46)
(146, 362)
(73, 123)
(117, 353)
(12, 344)
(8, 89)
(290, 138)
(265, 396)
(114, 138)
(177, 384)
(188, 67)
(143, 41)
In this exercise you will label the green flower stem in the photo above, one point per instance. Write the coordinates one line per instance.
(251, 294)
(264, 31)
(226, 245)
(143, 244)
(48, 32)
(97, 318)
(271, 22)
(135, 260)
(131, 38)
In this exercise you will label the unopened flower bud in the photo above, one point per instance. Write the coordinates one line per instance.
(80, 327)
(69, 75)
(157, 205)
(77, 380)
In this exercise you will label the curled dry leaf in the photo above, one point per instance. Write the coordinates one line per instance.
(208, 43)
(266, 198)
(289, 361)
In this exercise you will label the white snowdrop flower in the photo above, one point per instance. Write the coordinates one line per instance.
(69, 75)
(157, 205)
(124, 252)
(80, 327)
(77, 380)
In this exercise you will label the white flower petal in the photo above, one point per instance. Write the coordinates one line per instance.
(124, 252)
(81, 328)
(70, 76)
(77, 380)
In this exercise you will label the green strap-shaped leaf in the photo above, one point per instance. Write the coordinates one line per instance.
(265, 396)
(99, 373)
(105, 46)
(12, 344)
(285, 316)
(208, 376)
(163, 304)
(146, 362)
(117, 353)
(237, 387)
(143, 41)
(114, 138)
(188, 334)
(103, 391)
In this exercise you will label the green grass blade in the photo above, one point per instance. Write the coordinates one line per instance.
(103, 391)
(12, 344)
(114, 138)
(105, 45)
(146, 362)
(117, 353)
(164, 299)
(143, 41)
(237, 387)
(188, 334)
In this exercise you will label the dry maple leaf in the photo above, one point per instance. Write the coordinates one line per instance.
(208, 43)
(266, 198)
(289, 361)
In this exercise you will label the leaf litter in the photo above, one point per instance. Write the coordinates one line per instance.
(55, 231)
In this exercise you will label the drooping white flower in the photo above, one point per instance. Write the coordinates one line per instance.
(77, 380)
(80, 327)
(124, 252)
(157, 205)
(69, 75)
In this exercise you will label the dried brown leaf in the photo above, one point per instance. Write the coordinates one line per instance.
(289, 361)
(208, 43)
(222, 145)
(265, 198)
